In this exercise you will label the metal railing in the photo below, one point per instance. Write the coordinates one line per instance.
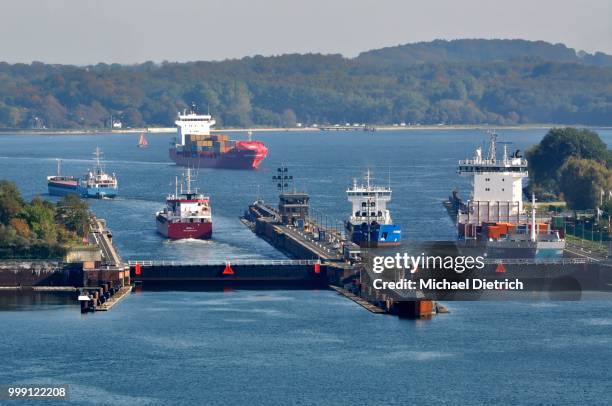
(256, 262)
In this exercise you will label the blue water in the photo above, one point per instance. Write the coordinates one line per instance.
(311, 347)
(292, 347)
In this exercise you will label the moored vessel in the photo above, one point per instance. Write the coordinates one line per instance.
(494, 222)
(196, 147)
(370, 224)
(187, 213)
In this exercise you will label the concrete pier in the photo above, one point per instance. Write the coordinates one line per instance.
(294, 232)
(120, 294)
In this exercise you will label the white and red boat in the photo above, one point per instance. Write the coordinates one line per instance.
(196, 146)
(187, 213)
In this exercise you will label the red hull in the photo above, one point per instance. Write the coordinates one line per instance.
(178, 231)
(245, 155)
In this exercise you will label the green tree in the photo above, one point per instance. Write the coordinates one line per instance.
(238, 111)
(550, 155)
(289, 118)
(582, 182)
(39, 229)
(11, 202)
(73, 213)
(40, 216)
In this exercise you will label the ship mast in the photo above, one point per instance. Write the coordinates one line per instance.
(97, 154)
(59, 166)
(533, 218)
(188, 179)
(368, 208)
(493, 147)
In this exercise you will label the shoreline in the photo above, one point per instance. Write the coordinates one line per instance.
(328, 129)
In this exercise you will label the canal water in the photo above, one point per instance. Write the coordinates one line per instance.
(290, 347)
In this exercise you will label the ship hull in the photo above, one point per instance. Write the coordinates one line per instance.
(380, 235)
(178, 231)
(63, 188)
(512, 249)
(244, 156)
(99, 193)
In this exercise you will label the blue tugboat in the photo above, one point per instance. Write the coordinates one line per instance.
(97, 183)
(370, 224)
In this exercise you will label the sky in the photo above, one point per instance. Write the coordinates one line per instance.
(131, 31)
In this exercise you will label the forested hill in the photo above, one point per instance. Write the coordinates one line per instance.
(456, 82)
(482, 50)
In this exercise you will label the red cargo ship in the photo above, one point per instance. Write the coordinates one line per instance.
(187, 214)
(196, 147)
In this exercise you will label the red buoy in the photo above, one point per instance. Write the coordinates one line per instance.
(137, 269)
(500, 268)
(317, 268)
(228, 269)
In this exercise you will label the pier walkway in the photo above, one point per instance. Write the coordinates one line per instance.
(124, 291)
(103, 238)
(325, 250)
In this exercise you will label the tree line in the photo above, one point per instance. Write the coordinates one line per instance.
(419, 85)
(39, 229)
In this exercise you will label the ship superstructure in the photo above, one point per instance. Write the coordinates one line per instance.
(187, 213)
(195, 146)
(494, 217)
(370, 223)
(97, 182)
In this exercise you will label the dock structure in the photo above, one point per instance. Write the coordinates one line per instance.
(110, 267)
(401, 302)
(261, 273)
(103, 239)
(115, 298)
(94, 270)
(110, 274)
(357, 299)
(299, 237)
(291, 228)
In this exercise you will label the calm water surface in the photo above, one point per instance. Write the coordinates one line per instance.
(291, 347)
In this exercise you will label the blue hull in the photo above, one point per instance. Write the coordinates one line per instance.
(96, 193)
(380, 235)
(99, 193)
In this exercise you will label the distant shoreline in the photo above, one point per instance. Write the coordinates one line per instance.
(331, 129)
